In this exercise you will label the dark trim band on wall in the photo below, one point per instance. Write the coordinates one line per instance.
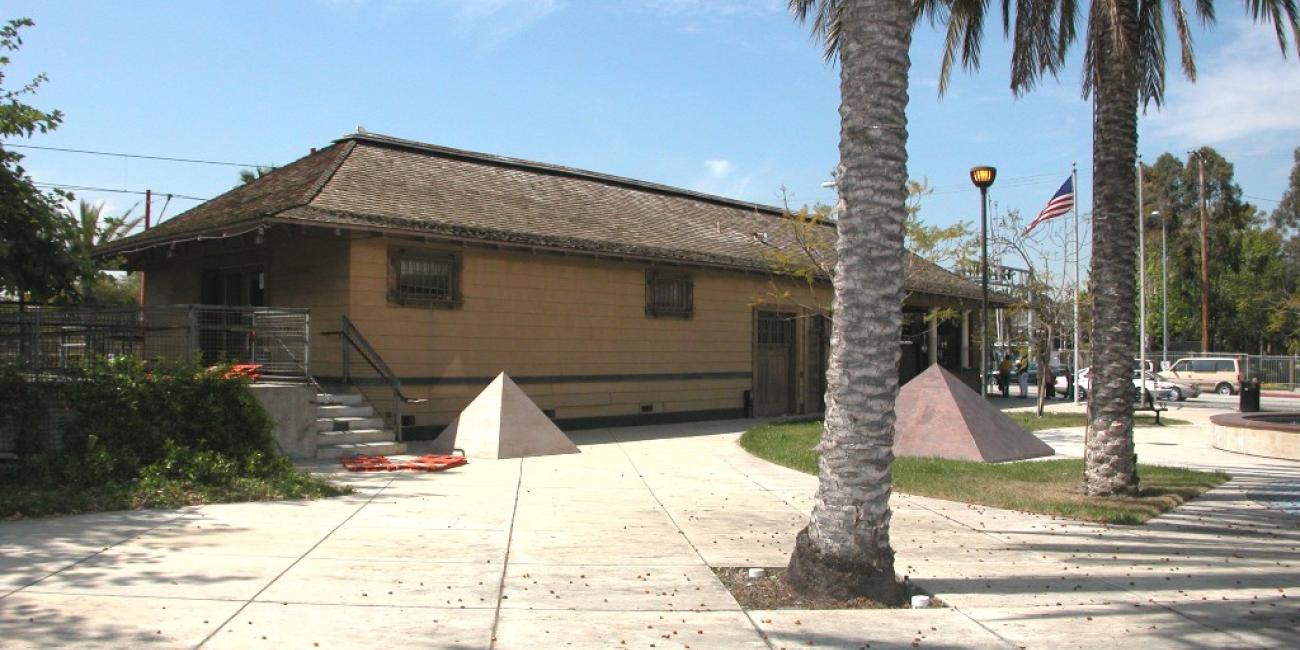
(547, 379)
(431, 431)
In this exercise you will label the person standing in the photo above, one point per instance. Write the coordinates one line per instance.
(1004, 376)
(1022, 367)
(1049, 381)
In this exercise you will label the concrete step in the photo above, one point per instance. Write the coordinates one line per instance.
(328, 438)
(340, 399)
(348, 423)
(366, 448)
(344, 411)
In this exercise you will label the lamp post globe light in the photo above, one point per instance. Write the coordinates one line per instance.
(983, 177)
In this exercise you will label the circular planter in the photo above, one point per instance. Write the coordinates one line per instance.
(1276, 435)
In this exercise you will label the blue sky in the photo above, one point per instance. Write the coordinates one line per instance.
(722, 96)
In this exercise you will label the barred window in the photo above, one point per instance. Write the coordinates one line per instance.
(775, 329)
(424, 280)
(669, 294)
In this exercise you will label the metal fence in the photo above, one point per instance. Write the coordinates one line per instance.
(56, 337)
(1274, 371)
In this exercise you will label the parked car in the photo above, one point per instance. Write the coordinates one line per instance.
(1161, 390)
(1219, 374)
(1179, 391)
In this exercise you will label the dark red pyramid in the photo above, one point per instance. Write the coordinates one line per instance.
(938, 416)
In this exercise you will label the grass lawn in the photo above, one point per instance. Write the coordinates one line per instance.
(1050, 487)
(1031, 422)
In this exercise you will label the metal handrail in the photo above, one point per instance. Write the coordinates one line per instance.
(350, 335)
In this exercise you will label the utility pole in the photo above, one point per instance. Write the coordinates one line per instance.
(1205, 259)
(148, 217)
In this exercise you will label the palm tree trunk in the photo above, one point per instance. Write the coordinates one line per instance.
(1110, 463)
(844, 551)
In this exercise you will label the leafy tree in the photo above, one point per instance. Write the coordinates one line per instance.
(1047, 298)
(1287, 215)
(1124, 65)
(1250, 276)
(37, 256)
(845, 551)
(804, 251)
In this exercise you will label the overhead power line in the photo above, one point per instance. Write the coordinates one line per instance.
(1260, 198)
(87, 188)
(195, 161)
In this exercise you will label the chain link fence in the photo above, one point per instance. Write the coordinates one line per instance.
(1276, 372)
(49, 338)
(45, 341)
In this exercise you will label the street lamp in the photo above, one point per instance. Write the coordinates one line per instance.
(1164, 291)
(983, 177)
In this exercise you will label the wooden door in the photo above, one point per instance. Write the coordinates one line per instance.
(773, 363)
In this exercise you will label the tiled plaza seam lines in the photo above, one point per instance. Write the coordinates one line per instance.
(505, 562)
(757, 630)
(166, 522)
(279, 575)
(756, 482)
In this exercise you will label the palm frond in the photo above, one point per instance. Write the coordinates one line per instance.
(825, 22)
(1205, 11)
(965, 32)
(1066, 30)
(1184, 38)
(1151, 52)
(1283, 14)
(1038, 42)
(1091, 43)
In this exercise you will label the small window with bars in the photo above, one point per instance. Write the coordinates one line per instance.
(669, 294)
(424, 280)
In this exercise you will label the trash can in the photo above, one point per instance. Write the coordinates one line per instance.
(1249, 396)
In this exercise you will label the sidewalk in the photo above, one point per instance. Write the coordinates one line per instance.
(613, 548)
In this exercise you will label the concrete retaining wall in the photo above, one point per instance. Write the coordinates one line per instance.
(293, 409)
(1253, 440)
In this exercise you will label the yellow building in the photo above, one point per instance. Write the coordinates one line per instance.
(609, 300)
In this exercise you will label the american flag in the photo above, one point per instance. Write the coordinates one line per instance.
(1061, 203)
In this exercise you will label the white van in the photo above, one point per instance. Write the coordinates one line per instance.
(1219, 374)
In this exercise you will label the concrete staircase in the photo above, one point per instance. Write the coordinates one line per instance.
(346, 425)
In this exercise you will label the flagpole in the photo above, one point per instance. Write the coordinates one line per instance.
(1074, 175)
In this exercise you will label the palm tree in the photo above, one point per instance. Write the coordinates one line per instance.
(844, 550)
(95, 229)
(1124, 65)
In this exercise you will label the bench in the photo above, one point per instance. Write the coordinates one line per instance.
(1145, 402)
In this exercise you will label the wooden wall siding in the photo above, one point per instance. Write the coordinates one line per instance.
(302, 271)
(541, 314)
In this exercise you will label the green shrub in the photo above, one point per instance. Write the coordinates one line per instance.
(128, 415)
(142, 435)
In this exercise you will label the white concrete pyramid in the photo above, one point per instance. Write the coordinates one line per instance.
(502, 422)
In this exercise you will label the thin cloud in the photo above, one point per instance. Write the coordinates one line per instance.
(721, 179)
(1247, 89)
(719, 168)
(496, 21)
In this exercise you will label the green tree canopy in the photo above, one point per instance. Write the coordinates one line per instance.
(37, 255)
(1251, 276)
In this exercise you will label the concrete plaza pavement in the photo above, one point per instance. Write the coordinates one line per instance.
(612, 548)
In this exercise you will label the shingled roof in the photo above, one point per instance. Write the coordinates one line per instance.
(377, 182)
